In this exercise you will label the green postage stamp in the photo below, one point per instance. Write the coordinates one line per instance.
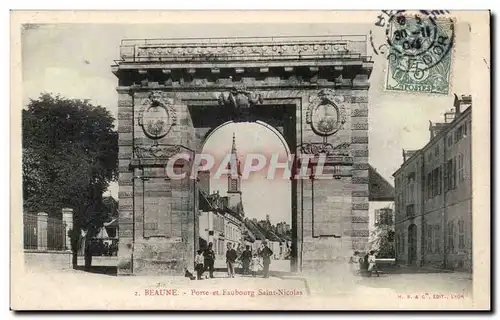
(420, 50)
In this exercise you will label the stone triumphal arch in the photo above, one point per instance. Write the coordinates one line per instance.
(173, 92)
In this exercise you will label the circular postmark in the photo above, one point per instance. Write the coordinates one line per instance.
(410, 36)
(418, 42)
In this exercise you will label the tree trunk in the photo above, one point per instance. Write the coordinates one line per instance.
(74, 259)
(88, 255)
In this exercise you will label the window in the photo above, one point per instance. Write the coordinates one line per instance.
(435, 182)
(450, 140)
(437, 239)
(440, 180)
(451, 234)
(461, 132)
(403, 243)
(411, 194)
(450, 175)
(461, 167)
(410, 210)
(445, 177)
(429, 238)
(429, 185)
(461, 235)
(436, 151)
(454, 172)
(396, 245)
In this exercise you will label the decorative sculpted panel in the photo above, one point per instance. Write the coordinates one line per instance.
(157, 115)
(326, 113)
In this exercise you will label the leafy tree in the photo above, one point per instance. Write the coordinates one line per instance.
(70, 155)
(383, 236)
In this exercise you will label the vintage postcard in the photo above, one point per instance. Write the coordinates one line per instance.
(250, 160)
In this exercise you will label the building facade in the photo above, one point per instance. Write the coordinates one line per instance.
(282, 228)
(212, 229)
(221, 218)
(433, 203)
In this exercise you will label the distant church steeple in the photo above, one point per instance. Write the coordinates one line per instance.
(234, 183)
(233, 148)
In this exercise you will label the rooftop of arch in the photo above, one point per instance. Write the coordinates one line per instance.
(242, 57)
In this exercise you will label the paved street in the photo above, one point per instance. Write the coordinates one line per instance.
(276, 265)
(72, 288)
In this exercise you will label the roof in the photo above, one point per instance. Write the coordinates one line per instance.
(254, 229)
(204, 204)
(248, 236)
(271, 236)
(449, 127)
(379, 188)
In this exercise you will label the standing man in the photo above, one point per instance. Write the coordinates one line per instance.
(266, 253)
(246, 258)
(209, 259)
(231, 256)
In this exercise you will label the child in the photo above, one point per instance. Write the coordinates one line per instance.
(255, 264)
(354, 262)
(198, 264)
(372, 266)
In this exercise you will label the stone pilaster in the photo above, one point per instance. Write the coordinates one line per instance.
(359, 232)
(41, 229)
(67, 218)
(125, 182)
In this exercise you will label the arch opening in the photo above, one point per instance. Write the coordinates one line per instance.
(262, 204)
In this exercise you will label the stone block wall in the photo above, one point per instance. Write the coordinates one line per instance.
(125, 181)
(335, 212)
(158, 224)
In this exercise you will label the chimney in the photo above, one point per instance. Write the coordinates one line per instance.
(204, 181)
(449, 116)
(462, 103)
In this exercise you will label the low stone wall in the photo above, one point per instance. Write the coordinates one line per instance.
(35, 259)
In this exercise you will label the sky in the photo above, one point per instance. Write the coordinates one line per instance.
(74, 60)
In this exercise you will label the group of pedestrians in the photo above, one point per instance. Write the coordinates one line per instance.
(364, 264)
(251, 262)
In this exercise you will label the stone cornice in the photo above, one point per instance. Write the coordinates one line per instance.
(242, 49)
(363, 85)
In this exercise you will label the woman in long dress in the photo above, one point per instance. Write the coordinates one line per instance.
(354, 262)
(371, 263)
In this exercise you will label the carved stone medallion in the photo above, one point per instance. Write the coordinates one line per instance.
(157, 115)
(326, 113)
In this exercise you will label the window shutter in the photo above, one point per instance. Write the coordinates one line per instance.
(455, 172)
(445, 177)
